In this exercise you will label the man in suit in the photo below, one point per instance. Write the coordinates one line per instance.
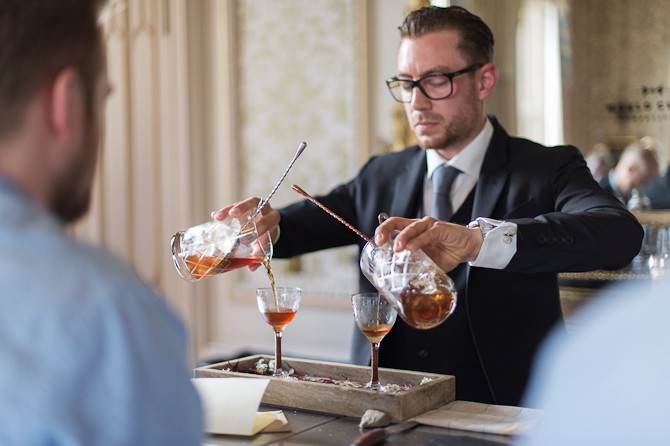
(556, 217)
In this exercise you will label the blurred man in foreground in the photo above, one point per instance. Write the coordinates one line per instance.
(608, 383)
(90, 355)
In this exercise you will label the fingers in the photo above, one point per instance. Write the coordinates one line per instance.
(269, 223)
(236, 210)
(408, 231)
(384, 231)
(222, 213)
(416, 235)
(266, 221)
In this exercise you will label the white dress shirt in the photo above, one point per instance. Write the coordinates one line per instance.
(497, 250)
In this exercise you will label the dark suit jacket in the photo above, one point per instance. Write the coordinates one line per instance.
(658, 191)
(566, 222)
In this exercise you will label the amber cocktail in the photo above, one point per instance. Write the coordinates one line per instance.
(374, 317)
(278, 305)
(216, 247)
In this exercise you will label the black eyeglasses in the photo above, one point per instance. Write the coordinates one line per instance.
(434, 86)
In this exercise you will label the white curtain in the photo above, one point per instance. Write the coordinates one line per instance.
(539, 91)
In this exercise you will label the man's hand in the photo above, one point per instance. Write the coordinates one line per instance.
(447, 244)
(266, 221)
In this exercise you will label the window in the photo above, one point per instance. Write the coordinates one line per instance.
(538, 82)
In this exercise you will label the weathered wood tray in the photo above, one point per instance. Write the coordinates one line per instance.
(342, 399)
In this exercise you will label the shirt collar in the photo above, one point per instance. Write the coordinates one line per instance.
(469, 160)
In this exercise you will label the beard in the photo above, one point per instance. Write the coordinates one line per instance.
(453, 134)
(71, 196)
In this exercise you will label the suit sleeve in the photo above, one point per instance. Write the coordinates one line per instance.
(585, 229)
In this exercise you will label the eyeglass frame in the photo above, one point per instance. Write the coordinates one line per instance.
(417, 83)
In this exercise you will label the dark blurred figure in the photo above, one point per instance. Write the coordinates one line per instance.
(599, 161)
(637, 166)
(658, 191)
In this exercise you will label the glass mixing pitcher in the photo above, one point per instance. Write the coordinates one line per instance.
(420, 291)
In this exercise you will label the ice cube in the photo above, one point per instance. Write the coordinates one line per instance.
(224, 235)
(214, 238)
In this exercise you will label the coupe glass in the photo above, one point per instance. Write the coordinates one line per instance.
(375, 317)
(278, 306)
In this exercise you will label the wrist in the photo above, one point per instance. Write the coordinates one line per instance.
(477, 237)
(485, 225)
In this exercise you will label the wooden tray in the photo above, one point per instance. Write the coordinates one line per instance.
(342, 399)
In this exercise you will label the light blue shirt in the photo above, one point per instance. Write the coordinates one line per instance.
(89, 354)
(607, 384)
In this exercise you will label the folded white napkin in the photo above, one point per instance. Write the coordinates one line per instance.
(479, 417)
(231, 406)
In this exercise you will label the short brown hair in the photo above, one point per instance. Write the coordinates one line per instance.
(476, 43)
(38, 39)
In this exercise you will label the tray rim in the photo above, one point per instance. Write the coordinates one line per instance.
(342, 399)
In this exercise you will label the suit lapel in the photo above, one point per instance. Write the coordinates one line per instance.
(408, 189)
(493, 176)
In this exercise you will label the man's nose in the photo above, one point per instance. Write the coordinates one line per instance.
(419, 100)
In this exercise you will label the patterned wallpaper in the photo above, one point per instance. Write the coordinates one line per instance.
(620, 71)
(297, 81)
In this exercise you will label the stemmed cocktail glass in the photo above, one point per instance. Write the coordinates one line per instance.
(278, 306)
(375, 318)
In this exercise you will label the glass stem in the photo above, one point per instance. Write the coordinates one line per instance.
(278, 352)
(374, 362)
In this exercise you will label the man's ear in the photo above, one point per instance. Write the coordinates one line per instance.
(66, 106)
(488, 78)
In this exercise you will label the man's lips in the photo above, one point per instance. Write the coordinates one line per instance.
(425, 125)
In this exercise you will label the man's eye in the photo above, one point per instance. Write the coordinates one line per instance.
(405, 85)
(436, 81)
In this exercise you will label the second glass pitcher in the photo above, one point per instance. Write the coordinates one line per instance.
(420, 291)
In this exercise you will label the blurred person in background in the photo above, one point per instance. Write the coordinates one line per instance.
(90, 354)
(658, 191)
(599, 161)
(637, 166)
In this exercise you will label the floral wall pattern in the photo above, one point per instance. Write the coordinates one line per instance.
(292, 87)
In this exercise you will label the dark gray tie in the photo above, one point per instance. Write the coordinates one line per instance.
(443, 178)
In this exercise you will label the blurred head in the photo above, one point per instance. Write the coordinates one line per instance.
(599, 161)
(437, 41)
(637, 166)
(46, 44)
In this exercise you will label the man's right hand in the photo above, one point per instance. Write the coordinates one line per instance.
(266, 221)
(447, 244)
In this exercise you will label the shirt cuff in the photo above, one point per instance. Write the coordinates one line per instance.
(499, 245)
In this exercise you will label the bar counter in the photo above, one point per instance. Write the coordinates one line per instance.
(311, 428)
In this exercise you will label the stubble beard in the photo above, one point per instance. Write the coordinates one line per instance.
(71, 198)
(456, 133)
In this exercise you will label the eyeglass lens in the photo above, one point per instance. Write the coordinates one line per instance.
(434, 87)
